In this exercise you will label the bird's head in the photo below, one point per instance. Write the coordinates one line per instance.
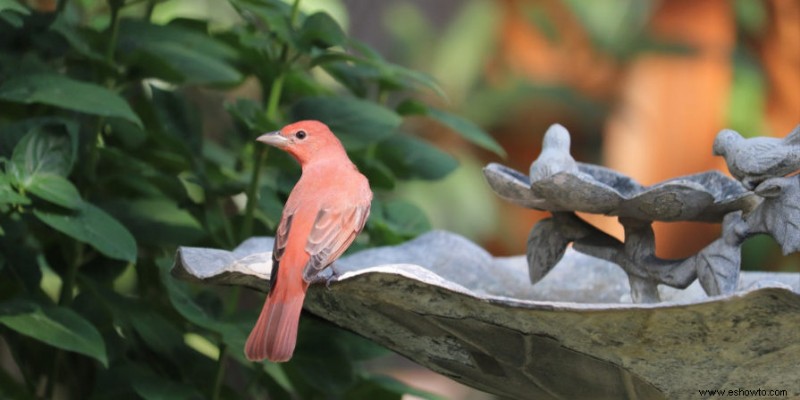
(306, 141)
(556, 138)
(725, 138)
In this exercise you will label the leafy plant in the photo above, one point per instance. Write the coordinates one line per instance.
(105, 169)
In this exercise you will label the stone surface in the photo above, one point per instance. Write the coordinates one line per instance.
(445, 303)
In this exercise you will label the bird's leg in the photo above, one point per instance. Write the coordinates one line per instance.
(334, 276)
(327, 279)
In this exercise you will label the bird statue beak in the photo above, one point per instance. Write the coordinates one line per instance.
(273, 139)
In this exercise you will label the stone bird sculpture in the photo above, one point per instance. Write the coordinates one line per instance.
(754, 160)
(555, 156)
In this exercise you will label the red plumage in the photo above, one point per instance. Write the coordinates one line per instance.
(323, 215)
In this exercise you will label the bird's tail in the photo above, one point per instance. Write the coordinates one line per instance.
(275, 333)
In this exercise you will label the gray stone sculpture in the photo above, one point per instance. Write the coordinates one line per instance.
(768, 202)
(754, 160)
(447, 304)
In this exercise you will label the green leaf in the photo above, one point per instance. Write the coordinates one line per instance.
(232, 334)
(156, 221)
(403, 218)
(177, 54)
(55, 189)
(272, 16)
(74, 37)
(57, 326)
(161, 388)
(15, 6)
(11, 134)
(464, 127)
(356, 122)
(409, 157)
(396, 221)
(379, 174)
(353, 71)
(8, 195)
(250, 114)
(63, 92)
(468, 130)
(10, 10)
(320, 30)
(321, 362)
(93, 226)
(381, 387)
(41, 152)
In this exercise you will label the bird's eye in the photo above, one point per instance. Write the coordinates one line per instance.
(300, 135)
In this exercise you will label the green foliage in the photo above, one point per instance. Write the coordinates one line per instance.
(105, 169)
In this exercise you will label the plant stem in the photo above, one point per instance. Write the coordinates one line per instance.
(151, 5)
(275, 96)
(226, 225)
(68, 284)
(252, 192)
(114, 27)
(273, 101)
(220, 374)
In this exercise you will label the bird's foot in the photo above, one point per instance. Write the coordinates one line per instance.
(334, 276)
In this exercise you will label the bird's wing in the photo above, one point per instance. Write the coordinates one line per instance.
(279, 246)
(764, 156)
(333, 231)
(282, 236)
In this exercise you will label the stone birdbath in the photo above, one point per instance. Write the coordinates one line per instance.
(603, 320)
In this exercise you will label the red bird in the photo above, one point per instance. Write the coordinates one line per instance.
(325, 212)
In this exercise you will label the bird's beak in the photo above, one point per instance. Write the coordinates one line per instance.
(273, 139)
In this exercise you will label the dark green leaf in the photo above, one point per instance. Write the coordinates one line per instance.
(10, 11)
(8, 195)
(13, 5)
(250, 114)
(156, 331)
(352, 71)
(12, 19)
(232, 334)
(160, 388)
(380, 387)
(55, 189)
(57, 326)
(156, 221)
(73, 36)
(269, 16)
(379, 174)
(11, 134)
(41, 152)
(320, 362)
(95, 227)
(322, 31)
(409, 158)
(129, 134)
(399, 218)
(412, 107)
(468, 130)
(63, 92)
(356, 122)
(177, 54)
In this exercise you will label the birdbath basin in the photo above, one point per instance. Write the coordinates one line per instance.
(447, 304)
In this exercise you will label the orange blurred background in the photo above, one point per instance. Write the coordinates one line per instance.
(642, 86)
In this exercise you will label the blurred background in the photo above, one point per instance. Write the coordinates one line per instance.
(643, 86)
